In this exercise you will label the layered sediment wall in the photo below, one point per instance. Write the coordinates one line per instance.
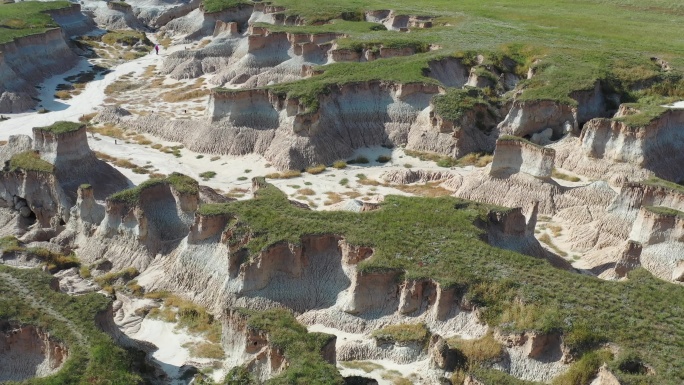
(25, 62)
(27, 352)
(513, 155)
(655, 146)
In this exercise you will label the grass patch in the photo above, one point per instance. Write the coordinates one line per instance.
(430, 189)
(211, 6)
(121, 86)
(108, 130)
(314, 170)
(206, 350)
(559, 175)
(366, 366)
(545, 238)
(180, 96)
(53, 262)
(455, 103)
(61, 127)
(440, 160)
(27, 18)
(402, 333)
(333, 198)
(666, 211)
(662, 183)
(359, 160)
(207, 175)
(289, 174)
(340, 164)
(181, 183)
(383, 159)
(480, 351)
(30, 161)
(344, 181)
(306, 192)
(475, 159)
(127, 38)
(585, 369)
(110, 279)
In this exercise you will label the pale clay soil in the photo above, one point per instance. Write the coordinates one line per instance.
(233, 174)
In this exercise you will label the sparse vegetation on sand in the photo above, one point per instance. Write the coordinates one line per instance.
(314, 170)
(436, 238)
(27, 298)
(127, 38)
(289, 174)
(559, 175)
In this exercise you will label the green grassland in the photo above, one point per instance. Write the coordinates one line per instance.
(93, 357)
(578, 42)
(438, 238)
(27, 18)
(61, 127)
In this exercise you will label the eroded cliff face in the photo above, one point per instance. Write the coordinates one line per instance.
(72, 21)
(639, 228)
(517, 155)
(198, 23)
(350, 117)
(132, 233)
(76, 164)
(533, 356)
(28, 60)
(33, 197)
(27, 352)
(655, 146)
(527, 117)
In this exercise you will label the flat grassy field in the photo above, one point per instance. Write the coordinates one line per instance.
(437, 238)
(578, 43)
(26, 18)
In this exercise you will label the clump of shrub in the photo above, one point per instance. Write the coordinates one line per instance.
(207, 175)
(383, 159)
(316, 169)
(339, 164)
(289, 174)
(359, 160)
(559, 175)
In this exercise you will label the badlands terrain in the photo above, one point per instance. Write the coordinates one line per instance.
(352, 192)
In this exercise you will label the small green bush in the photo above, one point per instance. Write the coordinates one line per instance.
(383, 159)
(339, 164)
(207, 175)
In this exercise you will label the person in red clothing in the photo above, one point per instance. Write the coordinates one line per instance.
(156, 48)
